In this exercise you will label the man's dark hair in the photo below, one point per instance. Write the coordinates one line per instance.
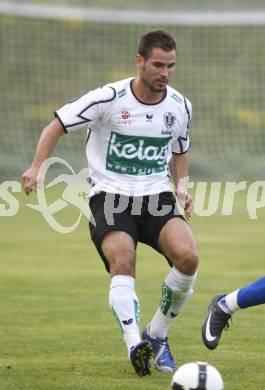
(155, 38)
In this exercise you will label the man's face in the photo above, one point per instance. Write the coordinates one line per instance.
(156, 70)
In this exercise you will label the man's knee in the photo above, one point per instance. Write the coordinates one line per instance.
(120, 254)
(186, 259)
(122, 262)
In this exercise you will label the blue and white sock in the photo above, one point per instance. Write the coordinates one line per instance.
(251, 295)
(228, 303)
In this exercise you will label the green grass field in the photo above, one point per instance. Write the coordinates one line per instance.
(56, 329)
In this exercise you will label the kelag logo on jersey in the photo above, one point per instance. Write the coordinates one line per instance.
(134, 155)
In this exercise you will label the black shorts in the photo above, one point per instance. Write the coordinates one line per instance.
(141, 217)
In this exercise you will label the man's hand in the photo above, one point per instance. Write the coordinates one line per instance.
(30, 180)
(185, 202)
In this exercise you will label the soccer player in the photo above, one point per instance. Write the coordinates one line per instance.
(137, 134)
(222, 307)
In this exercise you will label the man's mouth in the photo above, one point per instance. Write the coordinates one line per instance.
(161, 81)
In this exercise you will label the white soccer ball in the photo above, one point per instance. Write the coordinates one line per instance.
(197, 376)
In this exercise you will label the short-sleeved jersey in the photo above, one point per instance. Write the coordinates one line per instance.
(129, 143)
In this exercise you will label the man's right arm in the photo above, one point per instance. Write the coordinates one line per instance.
(48, 139)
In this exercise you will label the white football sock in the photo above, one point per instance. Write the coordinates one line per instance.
(229, 303)
(176, 291)
(126, 308)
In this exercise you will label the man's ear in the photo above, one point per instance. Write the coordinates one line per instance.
(139, 61)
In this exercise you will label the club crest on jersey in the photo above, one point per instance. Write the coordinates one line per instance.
(169, 119)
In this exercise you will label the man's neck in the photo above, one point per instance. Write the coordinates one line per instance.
(145, 94)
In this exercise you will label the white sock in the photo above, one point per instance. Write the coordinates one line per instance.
(126, 308)
(229, 303)
(176, 291)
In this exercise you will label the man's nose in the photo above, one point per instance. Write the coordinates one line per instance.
(164, 71)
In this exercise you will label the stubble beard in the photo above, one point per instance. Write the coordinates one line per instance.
(154, 88)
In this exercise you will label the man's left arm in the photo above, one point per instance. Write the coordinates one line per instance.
(180, 173)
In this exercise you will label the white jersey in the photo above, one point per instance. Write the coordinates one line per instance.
(129, 143)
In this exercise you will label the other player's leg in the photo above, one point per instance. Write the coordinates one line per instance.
(222, 307)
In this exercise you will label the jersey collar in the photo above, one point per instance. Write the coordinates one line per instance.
(146, 104)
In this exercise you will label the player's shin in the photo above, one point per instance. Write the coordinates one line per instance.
(177, 289)
(126, 308)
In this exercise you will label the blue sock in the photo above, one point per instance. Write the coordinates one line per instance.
(252, 295)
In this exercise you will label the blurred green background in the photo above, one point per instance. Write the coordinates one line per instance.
(45, 63)
(166, 5)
